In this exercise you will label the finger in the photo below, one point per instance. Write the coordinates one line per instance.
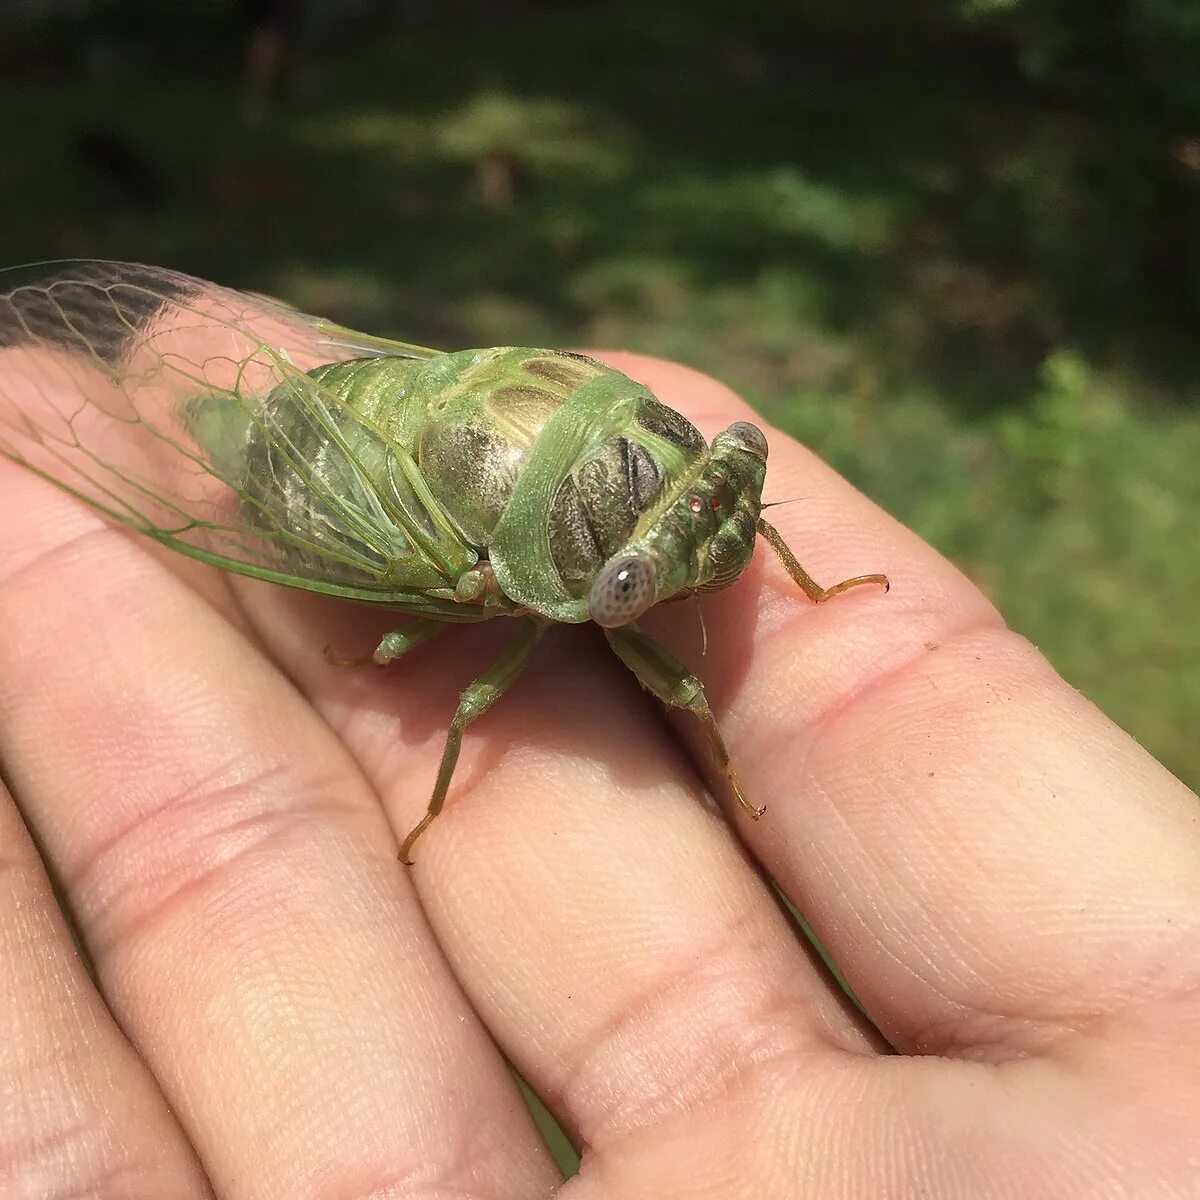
(79, 1113)
(989, 859)
(237, 886)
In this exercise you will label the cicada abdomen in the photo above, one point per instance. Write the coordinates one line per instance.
(109, 376)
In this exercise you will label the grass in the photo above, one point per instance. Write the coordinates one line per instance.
(960, 290)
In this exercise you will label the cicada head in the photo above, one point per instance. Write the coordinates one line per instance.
(702, 541)
(618, 502)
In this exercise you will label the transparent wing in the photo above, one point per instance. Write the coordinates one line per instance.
(184, 410)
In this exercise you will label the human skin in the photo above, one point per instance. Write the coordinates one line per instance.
(1010, 885)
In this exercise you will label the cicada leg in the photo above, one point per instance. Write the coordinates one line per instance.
(474, 702)
(663, 674)
(340, 660)
(812, 589)
(393, 645)
(400, 641)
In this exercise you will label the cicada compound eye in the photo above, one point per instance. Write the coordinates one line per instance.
(623, 590)
(749, 437)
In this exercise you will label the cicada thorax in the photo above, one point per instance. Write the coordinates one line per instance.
(546, 462)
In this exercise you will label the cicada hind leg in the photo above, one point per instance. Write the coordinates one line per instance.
(392, 646)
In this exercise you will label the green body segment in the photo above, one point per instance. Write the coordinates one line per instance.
(546, 464)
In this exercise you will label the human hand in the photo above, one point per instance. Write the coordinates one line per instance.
(1010, 885)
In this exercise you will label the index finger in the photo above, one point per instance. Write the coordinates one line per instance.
(988, 859)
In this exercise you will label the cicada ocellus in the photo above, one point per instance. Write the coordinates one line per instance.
(538, 485)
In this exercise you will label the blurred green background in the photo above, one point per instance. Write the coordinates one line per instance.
(953, 246)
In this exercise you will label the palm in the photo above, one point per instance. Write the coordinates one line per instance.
(1009, 885)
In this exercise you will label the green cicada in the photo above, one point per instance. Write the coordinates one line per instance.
(538, 485)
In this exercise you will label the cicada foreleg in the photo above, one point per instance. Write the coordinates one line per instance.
(663, 674)
(475, 701)
(811, 588)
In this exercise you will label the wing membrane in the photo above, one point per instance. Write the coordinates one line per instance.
(184, 410)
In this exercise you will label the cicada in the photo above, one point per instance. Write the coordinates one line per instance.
(537, 485)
